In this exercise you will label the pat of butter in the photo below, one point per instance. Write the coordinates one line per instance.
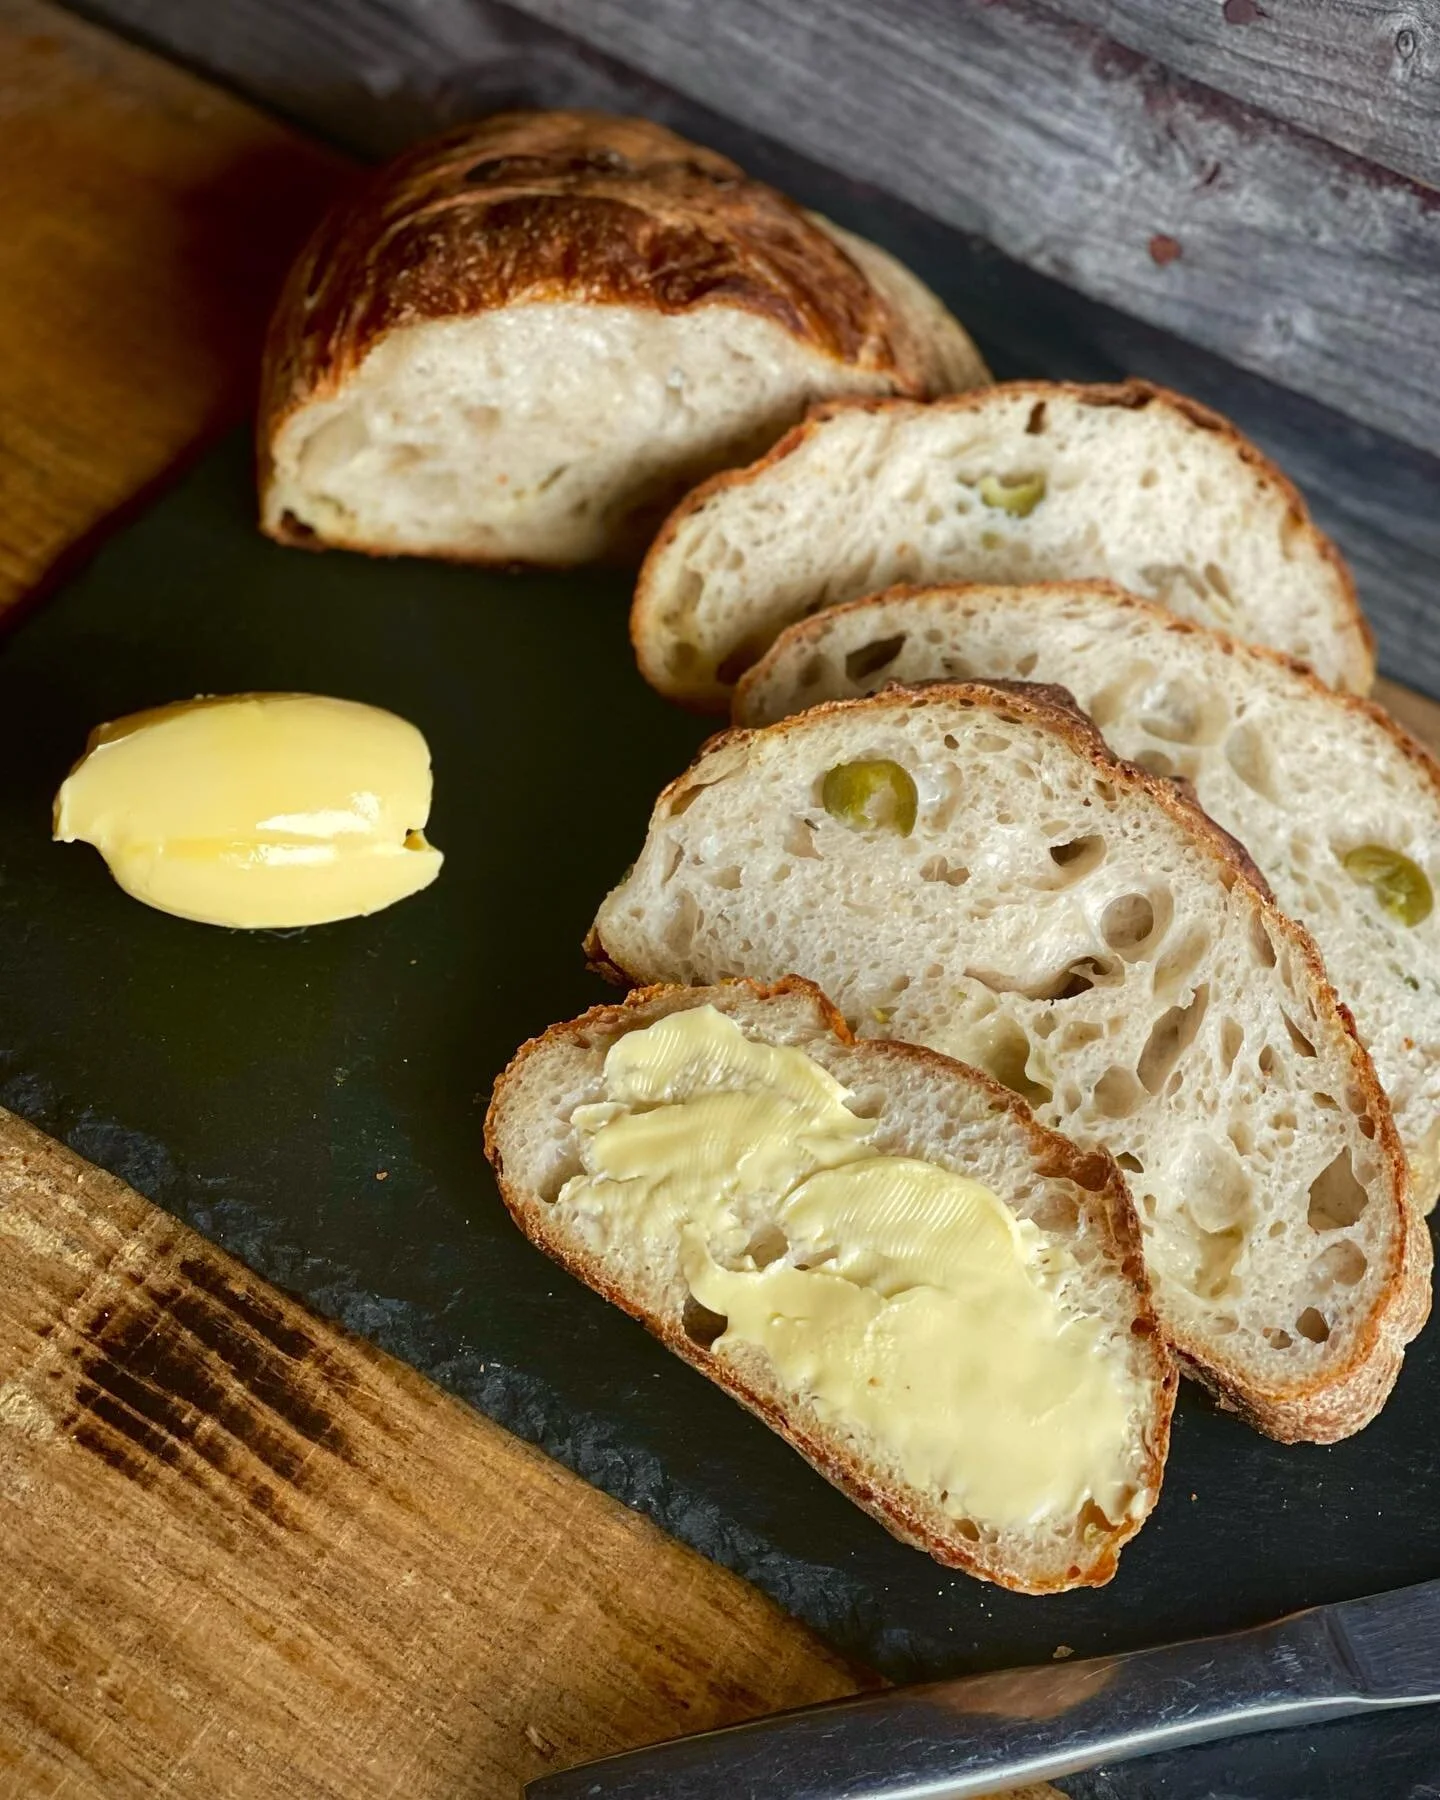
(256, 810)
(904, 1301)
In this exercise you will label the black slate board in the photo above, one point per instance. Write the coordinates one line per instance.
(261, 1085)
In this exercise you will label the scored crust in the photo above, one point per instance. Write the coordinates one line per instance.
(647, 633)
(1055, 1158)
(1341, 1400)
(581, 206)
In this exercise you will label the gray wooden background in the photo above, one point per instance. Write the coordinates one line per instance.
(1237, 197)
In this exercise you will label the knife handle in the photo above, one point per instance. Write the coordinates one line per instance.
(952, 1739)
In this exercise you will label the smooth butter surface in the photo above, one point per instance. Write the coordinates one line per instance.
(256, 810)
(905, 1301)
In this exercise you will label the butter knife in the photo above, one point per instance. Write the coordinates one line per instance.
(950, 1739)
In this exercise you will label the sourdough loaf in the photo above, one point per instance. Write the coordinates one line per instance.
(523, 340)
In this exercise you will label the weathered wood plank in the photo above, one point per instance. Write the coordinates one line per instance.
(242, 1553)
(147, 220)
(1364, 74)
(1073, 154)
(1089, 163)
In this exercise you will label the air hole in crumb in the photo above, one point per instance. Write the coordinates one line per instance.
(767, 1245)
(1130, 1162)
(1313, 1324)
(1035, 424)
(967, 1529)
(870, 658)
(1149, 477)
(295, 528)
(1078, 856)
(1342, 1265)
(1299, 1042)
(950, 741)
(1128, 922)
(1265, 1061)
(728, 878)
(1336, 1197)
(1232, 1037)
(1093, 1519)
(686, 798)
(1279, 1340)
(1118, 1094)
(1170, 1037)
(939, 869)
(811, 671)
(700, 1324)
(1262, 943)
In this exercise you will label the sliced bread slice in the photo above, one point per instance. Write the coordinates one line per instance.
(1030, 481)
(524, 340)
(970, 868)
(1315, 784)
(1070, 1209)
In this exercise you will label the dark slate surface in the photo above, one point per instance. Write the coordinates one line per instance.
(257, 1085)
(260, 1084)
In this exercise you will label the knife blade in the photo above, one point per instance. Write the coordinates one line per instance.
(948, 1740)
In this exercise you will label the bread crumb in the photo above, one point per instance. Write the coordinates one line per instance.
(382, 1174)
(1061, 1651)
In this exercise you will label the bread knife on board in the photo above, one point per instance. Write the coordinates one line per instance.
(952, 1739)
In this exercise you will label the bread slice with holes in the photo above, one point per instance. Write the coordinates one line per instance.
(1030, 481)
(926, 1107)
(984, 876)
(1303, 776)
(524, 340)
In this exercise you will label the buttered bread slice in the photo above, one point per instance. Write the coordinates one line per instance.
(1030, 481)
(1337, 804)
(937, 1301)
(970, 868)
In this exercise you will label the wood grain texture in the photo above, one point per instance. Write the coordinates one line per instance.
(147, 221)
(245, 1554)
(1073, 153)
(1090, 163)
(1364, 74)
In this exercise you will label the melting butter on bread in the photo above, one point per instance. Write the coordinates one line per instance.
(937, 1301)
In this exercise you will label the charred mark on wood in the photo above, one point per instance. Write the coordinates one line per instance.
(1164, 249)
(1241, 12)
(199, 1374)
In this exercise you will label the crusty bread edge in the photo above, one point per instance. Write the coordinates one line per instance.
(1318, 1411)
(1094, 1172)
(1132, 394)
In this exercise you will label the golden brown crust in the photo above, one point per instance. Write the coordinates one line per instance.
(544, 206)
(1133, 395)
(1344, 1400)
(1094, 1172)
